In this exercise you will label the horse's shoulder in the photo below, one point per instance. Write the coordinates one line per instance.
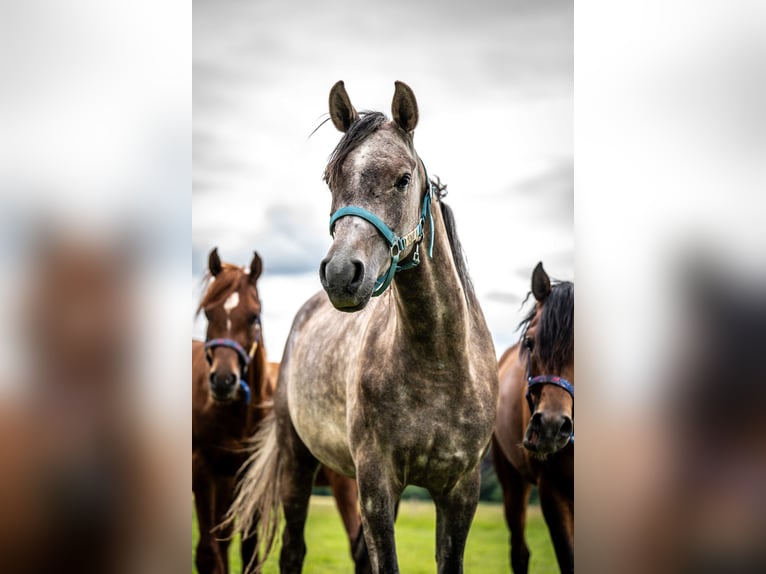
(309, 309)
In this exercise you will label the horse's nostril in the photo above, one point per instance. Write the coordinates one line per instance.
(323, 270)
(358, 272)
(219, 381)
(536, 421)
(566, 427)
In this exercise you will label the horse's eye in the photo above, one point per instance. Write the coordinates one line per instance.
(528, 343)
(253, 319)
(404, 181)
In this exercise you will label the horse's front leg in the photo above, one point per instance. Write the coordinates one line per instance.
(558, 511)
(516, 492)
(208, 558)
(224, 492)
(299, 468)
(346, 498)
(455, 509)
(378, 497)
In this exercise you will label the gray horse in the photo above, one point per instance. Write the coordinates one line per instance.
(390, 376)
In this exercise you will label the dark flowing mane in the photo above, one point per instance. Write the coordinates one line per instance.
(367, 123)
(454, 242)
(554, 339)
(219, 288)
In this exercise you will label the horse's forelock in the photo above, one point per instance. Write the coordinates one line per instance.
(368, 123)
(220, 287)
(554, 336)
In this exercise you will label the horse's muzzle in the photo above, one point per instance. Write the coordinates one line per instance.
(343, 278)
(548, 433)
(223, 386)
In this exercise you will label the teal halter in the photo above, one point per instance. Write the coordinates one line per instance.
(397, 245)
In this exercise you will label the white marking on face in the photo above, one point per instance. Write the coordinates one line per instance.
(231, 302)
(229, 305)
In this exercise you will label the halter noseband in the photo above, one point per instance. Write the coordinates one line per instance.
(245, 357)
(546, 380)
(397, 245)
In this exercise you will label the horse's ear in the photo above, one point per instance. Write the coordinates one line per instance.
(214, 262)
(541, 283)
(342, 112)
(256, 266)
(404, 108)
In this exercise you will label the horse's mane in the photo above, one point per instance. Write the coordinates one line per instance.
(219, 288)
(359, 130)
(554, 339)
(454, 242)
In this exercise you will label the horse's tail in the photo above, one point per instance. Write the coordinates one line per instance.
(256, 503)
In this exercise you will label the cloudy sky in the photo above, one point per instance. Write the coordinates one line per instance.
(493, 81)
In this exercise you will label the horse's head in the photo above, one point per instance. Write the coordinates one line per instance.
(377, 184)
(548, 348)
(233, 312)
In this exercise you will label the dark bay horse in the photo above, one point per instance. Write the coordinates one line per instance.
(233, 385)
(533, 441)
(390, 375)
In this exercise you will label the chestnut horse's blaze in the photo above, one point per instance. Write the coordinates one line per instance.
(403, 392)
(533, 441)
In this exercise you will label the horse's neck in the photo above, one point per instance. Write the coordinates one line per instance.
(258, 376)
(430, 298)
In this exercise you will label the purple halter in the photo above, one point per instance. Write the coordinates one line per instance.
(231, 344)
(244, 357)
(546, 380)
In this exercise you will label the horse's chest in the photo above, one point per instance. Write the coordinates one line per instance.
(439, 449)
(223, 457)
(430, 436)
(221, 439)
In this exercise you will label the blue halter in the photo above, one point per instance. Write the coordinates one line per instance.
(546, 380)
(397, 245)
(244, 357)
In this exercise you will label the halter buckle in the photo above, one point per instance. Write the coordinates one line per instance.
(416, 255)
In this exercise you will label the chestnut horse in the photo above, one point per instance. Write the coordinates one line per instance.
(232, 386)
(533, 441)
(389, 376)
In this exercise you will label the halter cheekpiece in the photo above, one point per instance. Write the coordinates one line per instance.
(245, 357)
(397, 245)
(546, 380)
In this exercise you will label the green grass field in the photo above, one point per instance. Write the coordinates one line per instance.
(487, 551)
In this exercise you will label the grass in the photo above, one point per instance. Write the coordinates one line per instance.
(486, 553)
